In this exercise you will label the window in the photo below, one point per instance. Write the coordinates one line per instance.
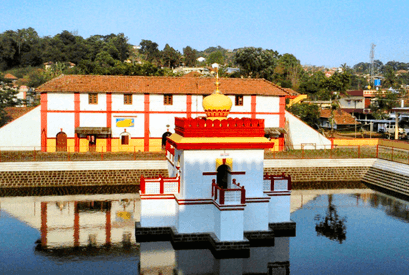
(239, 100)
(92, 98)
(167, 100)
(125, 139)
(128, 99)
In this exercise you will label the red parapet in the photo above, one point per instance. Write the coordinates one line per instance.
(142, 185)
(231, 127)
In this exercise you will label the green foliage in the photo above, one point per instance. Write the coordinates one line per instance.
(189, 55)
(8, 98)
(170, 57)
(309, 113)
(256, 62)
(383, 103)
(216, 57)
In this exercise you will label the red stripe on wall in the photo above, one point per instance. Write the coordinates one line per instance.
(43, 224)
(188, 106)
(253, 106)
(109, 119)
(146, 135)
(282, 112)
(44, 103)
(77, 119)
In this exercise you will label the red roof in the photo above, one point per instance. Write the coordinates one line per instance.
(355, 93)
(10, 76)
(340, 117)
(12, 113)
(159, 85)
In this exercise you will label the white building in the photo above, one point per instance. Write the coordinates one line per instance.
(217, 191)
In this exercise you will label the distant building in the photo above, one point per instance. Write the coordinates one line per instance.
(201, 59)
(341, 120)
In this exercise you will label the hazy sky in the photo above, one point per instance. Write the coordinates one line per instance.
(317, 32)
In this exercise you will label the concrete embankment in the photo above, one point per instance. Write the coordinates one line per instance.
(78, 173)
(386, 174)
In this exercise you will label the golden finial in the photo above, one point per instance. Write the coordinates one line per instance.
(217, 81)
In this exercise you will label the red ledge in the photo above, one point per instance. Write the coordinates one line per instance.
(221, 146)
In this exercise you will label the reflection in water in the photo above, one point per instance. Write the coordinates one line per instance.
(331, 226)
(96, 232)
(67, 222)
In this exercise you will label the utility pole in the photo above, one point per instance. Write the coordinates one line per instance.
(371, 56)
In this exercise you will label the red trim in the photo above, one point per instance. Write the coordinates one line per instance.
(229, 207)
(188, 106)
(76, 225)
(253, 106)
(282, 112)
(281, 144)
(43, 224)
(158, 112)
(231, 127)
(146, 113)
(108, 227)
(278, 194)
(257, 201)
(77, 119)
(44, 110)
(109, 119)
(209, 173)
(216, 146)
(237, 173)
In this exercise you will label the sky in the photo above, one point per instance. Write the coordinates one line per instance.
(328, 33)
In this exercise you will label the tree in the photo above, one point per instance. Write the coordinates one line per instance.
(8, 98)
(150, 50)
(256, 62)
(383, 103)
(307, 112)
(312, 84)
(216, 57)
(189, 55)
(288, 72)
(170, 57)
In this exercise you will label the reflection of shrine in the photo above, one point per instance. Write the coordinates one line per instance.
(161, 258)
(67, 222)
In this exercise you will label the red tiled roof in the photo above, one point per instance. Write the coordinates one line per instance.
(10, 76)
(291, 92)
(159, 85)
(13, 113)
(355, 93)
(193, 74)
(340, 117)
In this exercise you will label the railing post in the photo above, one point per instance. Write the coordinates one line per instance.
(34, 154)
(221, 196)
(0, 155)
(392, 154)
(359, 151)
(142, 184)
(102, 154)
(161, 185)
(377, 150)
(178, 184)
(272, 183)
(289, 186)
(68, 155)
(134, 153)
(302, 151)
(243, 195)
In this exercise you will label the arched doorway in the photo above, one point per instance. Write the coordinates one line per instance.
(223, 176)
(61, 142)
(164, 136)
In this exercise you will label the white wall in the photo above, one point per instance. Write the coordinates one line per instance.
(158, 213)
(269, 104)
(137, 103)
(85, 106)
(137, 130)
(195, 218)
(156, 103)
(279, 209)
(300, 133)
(24, 133)
(56, 121)
(194, 163)
(60, 101)
(256, 216)
(93, 120)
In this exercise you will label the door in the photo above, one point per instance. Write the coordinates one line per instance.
(92, 143)
(61, 142)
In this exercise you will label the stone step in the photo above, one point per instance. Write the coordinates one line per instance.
(388, 180)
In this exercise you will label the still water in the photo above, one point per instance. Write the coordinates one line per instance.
(339, 231)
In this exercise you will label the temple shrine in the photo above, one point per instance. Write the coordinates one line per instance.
(217, 195)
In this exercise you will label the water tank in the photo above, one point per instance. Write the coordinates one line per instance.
(377, 82)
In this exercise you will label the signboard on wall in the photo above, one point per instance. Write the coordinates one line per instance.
(124, 122)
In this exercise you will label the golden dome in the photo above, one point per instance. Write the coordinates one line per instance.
(217, 105)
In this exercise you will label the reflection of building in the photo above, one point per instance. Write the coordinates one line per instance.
(67, 222)
(217, 192)
(161, 258)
